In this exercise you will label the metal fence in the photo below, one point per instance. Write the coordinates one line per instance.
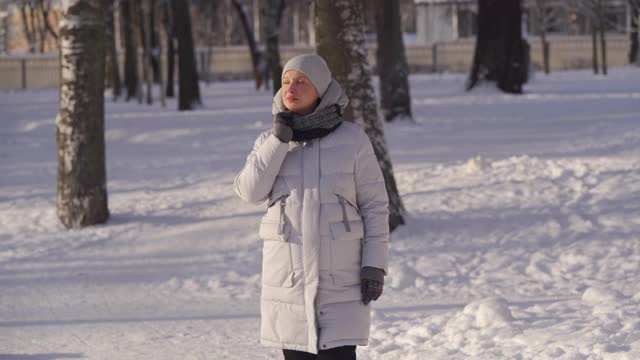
(232, 63)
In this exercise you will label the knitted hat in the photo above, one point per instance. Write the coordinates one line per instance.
(314, 67)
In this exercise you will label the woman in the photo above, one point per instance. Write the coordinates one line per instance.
(325, 231)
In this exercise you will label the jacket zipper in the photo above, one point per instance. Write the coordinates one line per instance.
(283, 201)
(344, 213)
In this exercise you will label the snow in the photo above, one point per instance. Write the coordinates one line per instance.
(490, 312)
(522, 236)
(478, 165)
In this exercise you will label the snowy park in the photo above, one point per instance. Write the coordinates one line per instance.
(319, 179)
(522, 235)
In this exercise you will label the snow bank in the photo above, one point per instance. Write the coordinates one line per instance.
(491, 312)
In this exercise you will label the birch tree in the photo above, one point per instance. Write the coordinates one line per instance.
(82, 189)
(340, 41)
(395, 100)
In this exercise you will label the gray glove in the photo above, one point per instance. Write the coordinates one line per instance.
(281, 128)
(371, 283)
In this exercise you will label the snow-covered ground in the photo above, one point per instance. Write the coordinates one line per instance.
(522, 238)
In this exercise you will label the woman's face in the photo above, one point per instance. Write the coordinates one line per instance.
(298, 93)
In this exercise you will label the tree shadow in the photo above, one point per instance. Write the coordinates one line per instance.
(135, 320)
(52, 356)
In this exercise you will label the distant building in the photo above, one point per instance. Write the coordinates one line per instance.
(444, 20)
(567, 20)
(449, 20)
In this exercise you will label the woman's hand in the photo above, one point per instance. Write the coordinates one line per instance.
(281, 128)
(371, 283)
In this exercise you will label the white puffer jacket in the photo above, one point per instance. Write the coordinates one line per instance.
(326, 218)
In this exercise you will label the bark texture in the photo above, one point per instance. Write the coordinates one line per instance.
(82, 190)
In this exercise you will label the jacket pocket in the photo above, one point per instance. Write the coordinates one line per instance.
(277, 262)
(344, 205)
(346, 253)
(349, 230)
(275, 198)
(278, 190)
(279, 216)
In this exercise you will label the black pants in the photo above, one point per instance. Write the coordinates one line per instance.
(337, 353)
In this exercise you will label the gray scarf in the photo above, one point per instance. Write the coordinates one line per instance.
(325, 118)
(317, 124)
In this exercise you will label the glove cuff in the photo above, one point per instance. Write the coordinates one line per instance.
(372, 273)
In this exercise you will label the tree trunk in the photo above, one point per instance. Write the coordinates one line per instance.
(130, 51)
(295, 13)
(501, 52)
(82, 188)
(112, 71)
(157, 25)
(395, 100)
(594, 47)
(189, 90)
(137, 36)
(541, 7)
(29, 31)
(256, 19)
(155, 43)
(213, 30)
(45, 10)
(272, 16)
(311, 28)
(35, 28)
(256, 54)
(603, 41)
(340, 41)
(40, 21)
(145, 38)
(545, 52)
(633, 34)
(170, 33)
(228, 24)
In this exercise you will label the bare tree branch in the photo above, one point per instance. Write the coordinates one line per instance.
(45, 7)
